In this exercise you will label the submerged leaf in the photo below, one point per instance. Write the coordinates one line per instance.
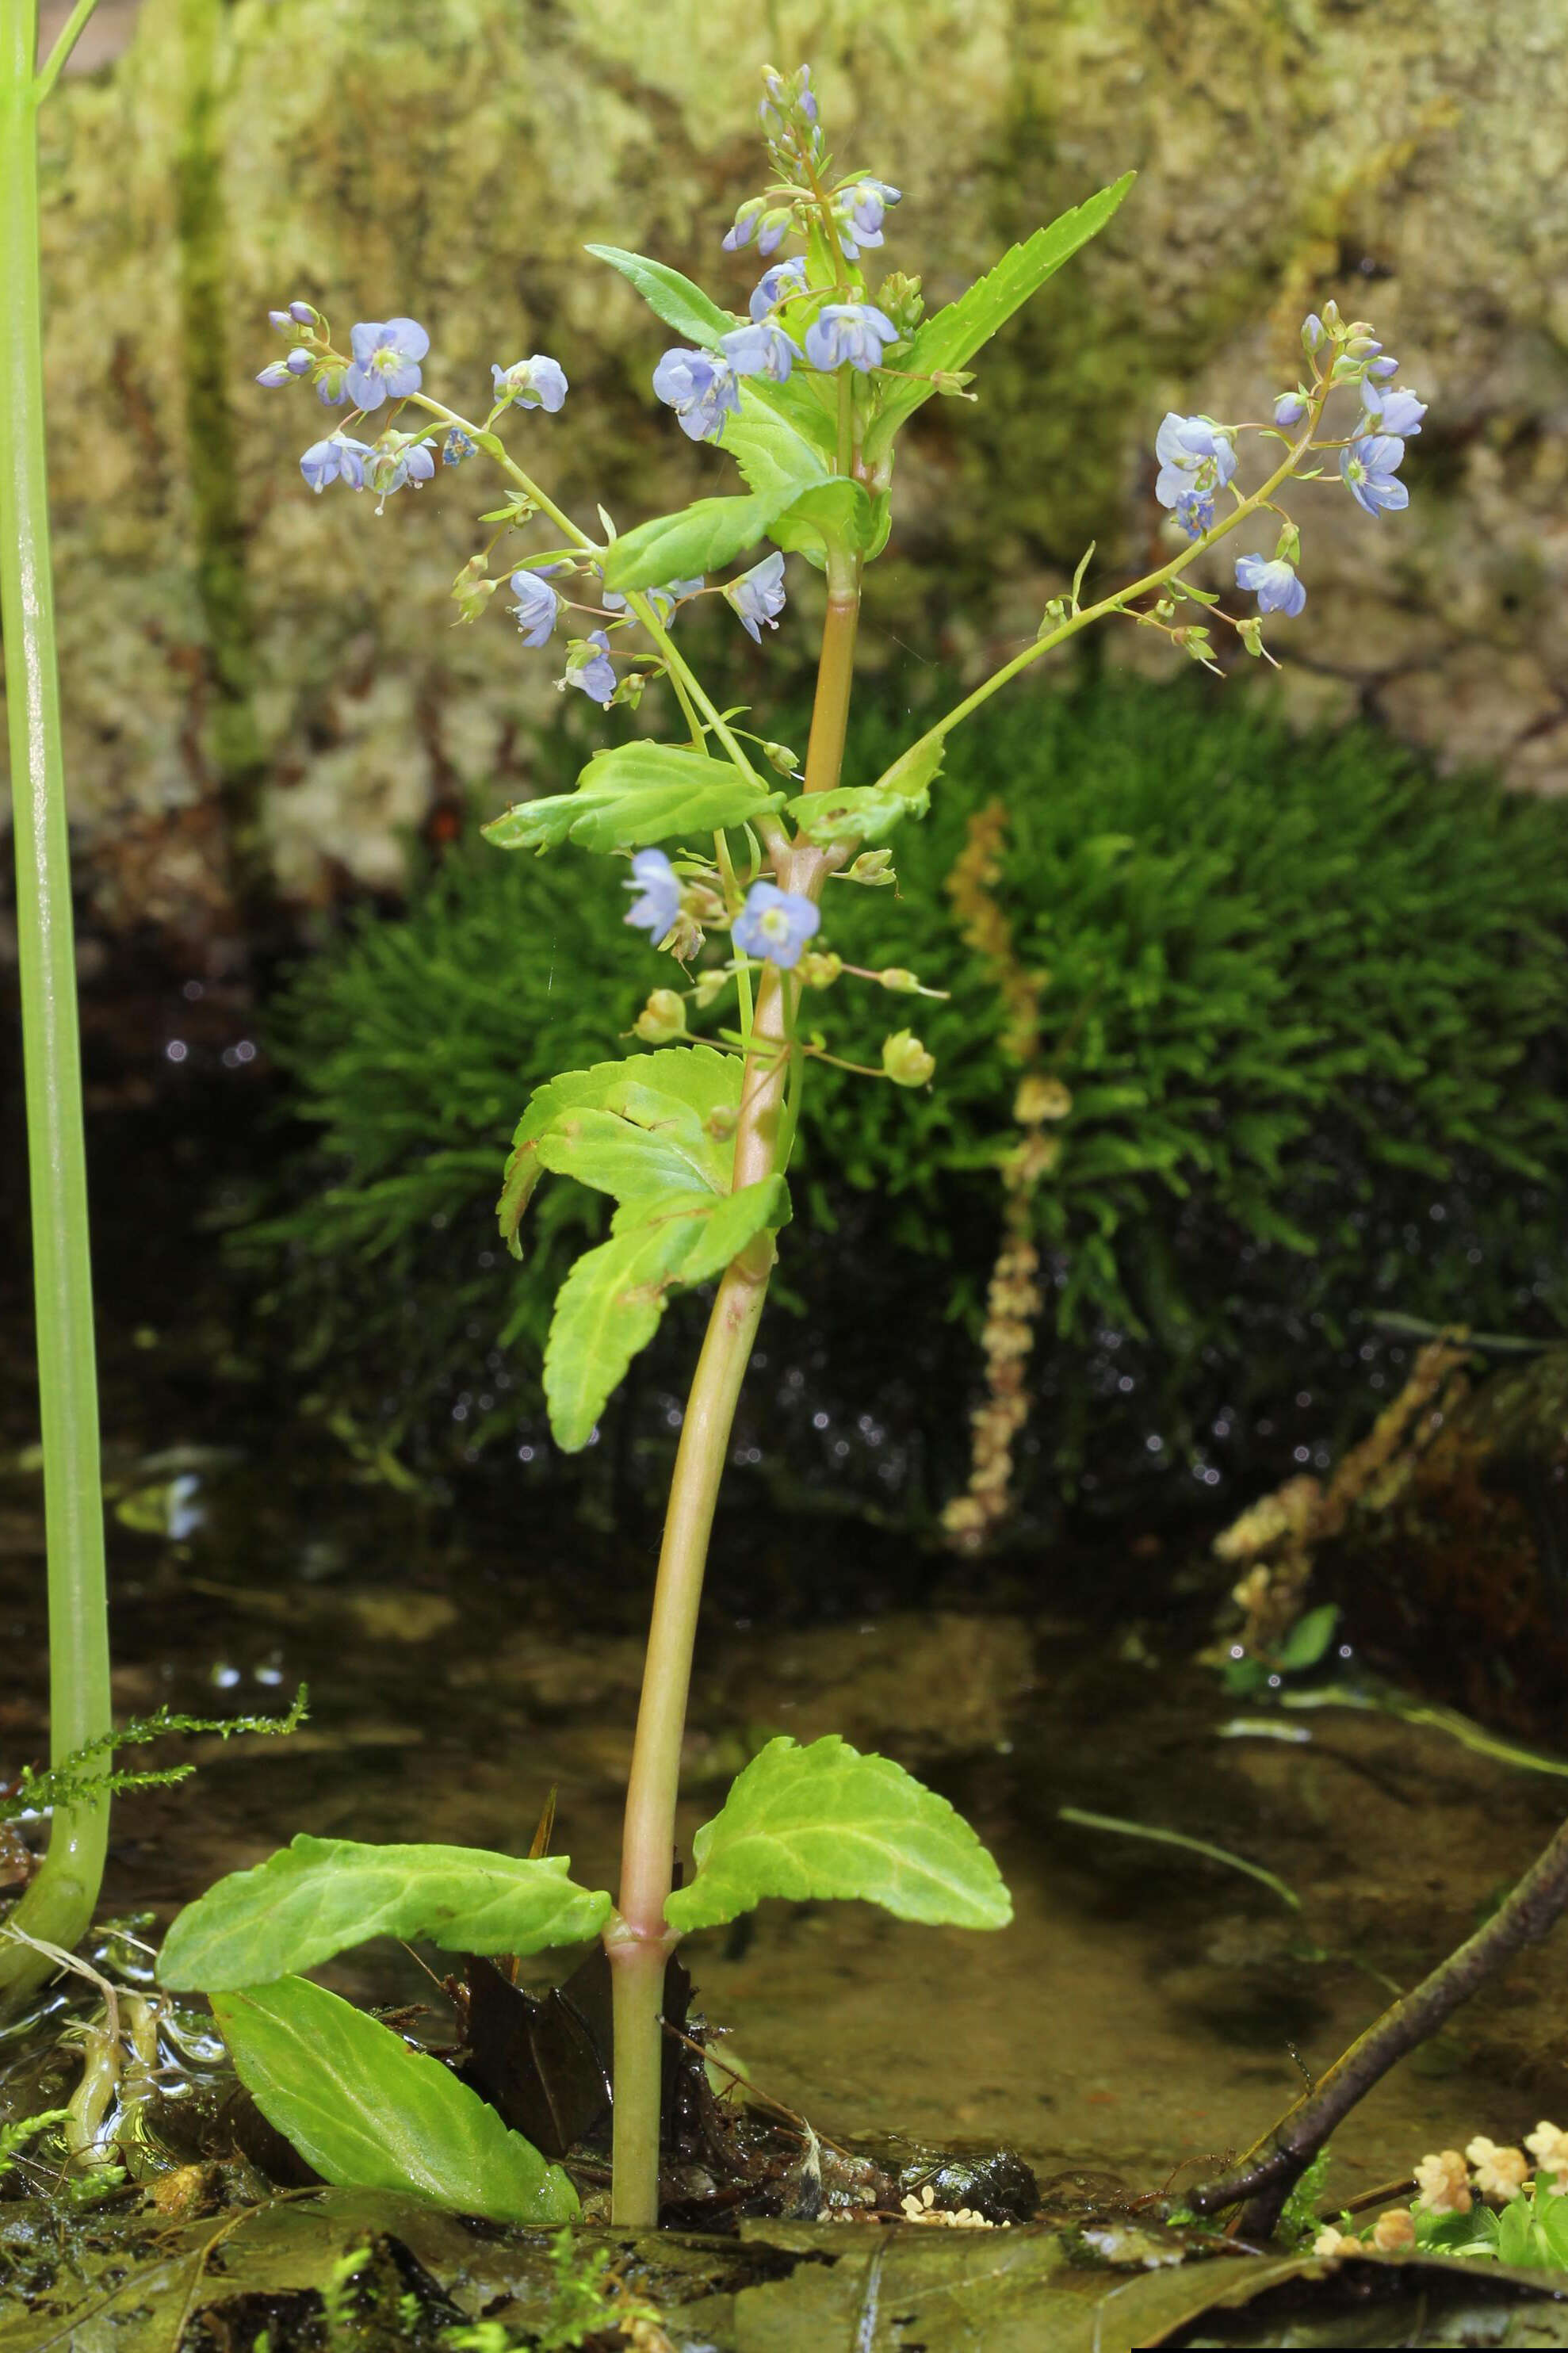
(319, 1895)
(825, 1821)
(369, 2112)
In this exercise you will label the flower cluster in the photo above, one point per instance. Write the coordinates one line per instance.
(704, 386)
(1197, 462)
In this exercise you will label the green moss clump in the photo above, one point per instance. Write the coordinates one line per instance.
(1310, 999)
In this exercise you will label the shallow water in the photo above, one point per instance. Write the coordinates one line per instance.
(1148, 2011)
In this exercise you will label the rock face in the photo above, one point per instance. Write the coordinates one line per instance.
(259, 684)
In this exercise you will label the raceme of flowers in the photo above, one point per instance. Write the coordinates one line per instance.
(1197, 455)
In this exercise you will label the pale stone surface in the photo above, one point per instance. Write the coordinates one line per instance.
(450, 158)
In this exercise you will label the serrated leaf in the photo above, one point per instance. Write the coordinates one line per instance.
(825, 1821)
(633, 796)
(644, 1146)
(696, 1077)
(674, 298)
(368, 2113)
(703, 537)
(732, 1222)
(778, 453)
(837, 513)
(951, 339)
(319, 1895)
(858, 813)
(606, 1310)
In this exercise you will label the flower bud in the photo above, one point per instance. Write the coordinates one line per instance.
(1250, 632)
(952, 381)
(900, 297)
(781, 757)
(1040, 1097)
(709, 985)
(1055, 613)
(898, 977)
(1331, 317)
(1287, 548)
(1291, 408)
(905, 1059)
(875, 869)
(303, 315)
(819, 967)
(721, 1122)
(299, 362)
(1312, 331)
(662, 1018)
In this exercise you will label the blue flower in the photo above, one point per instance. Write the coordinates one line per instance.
(1393, 412)
(275, 373)
(593, 673)
(774, 924)
(1290, 408)
(536, 608)
(386, 359)
(538, 383)
(761, 350)
(859, 211)
(1196, 459)
(657, 910)
(1369, 467)
(1383, 368)
(338, 459)
(758, 596)
(456, 448)
(849, 333)
(301, 314)
(1273, 582)
(775, 285)
(331, 387)
(746, 224)
(699, 388)
(771, 235)
(397, 458)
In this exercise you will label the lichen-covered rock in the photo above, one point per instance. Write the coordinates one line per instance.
(237, 650)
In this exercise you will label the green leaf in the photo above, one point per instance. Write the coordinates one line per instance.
(835, 514)
(368, 2113)
(731, 1223)
(606, 1310)
(860, 813)
(687, 1079)
(1308, 1640)
(645, 1146)
(951, 339)
(703, 537)
(679, 303)
(318, 1895)
(635, 795)
(610, 1304)
(778, 452)
(827, 1822)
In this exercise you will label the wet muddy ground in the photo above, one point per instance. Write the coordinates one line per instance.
(1149, 2009)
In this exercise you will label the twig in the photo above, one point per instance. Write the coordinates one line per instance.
(1263, 2180)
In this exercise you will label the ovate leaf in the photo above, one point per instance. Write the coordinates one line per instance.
(779, 452)
(839, 513)
(870, 812)
(859, 813)
(610, 1304)
(369, 2114)
(319, 1895)
(951, 339)
(730, 1224)
(679, 303)
(825, 1821)
(703, 537)
(649, 1145)
(633, 796)
(695, 1079)
(606, 1310)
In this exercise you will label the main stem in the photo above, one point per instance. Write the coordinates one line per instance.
(59, 1906)
(639, 1939)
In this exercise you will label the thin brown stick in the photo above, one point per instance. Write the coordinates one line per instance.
(1263, 2180)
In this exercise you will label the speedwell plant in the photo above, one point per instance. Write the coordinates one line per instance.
(735, 857)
